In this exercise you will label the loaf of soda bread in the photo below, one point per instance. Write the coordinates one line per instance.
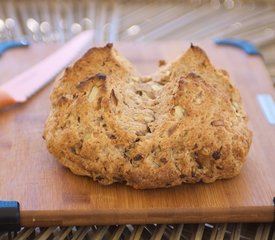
(183, 124)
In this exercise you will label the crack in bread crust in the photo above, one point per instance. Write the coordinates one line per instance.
(183, 124)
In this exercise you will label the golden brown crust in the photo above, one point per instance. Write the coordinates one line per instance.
(186, 123)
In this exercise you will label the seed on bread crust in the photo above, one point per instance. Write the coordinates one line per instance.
(179, 112)
(87, 81)
(162, 63)
(113, 97)
(217, 123)
(93, 94)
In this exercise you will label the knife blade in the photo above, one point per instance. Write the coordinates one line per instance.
(24, 85)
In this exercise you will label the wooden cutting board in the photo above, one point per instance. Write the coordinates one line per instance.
(49, 194)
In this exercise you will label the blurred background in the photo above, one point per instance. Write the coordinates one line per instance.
(57, 21)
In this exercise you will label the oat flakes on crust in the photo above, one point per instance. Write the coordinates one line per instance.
(184, 124)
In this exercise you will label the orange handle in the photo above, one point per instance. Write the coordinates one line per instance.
(6, 99)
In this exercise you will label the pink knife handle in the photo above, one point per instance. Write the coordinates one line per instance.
(6, 99)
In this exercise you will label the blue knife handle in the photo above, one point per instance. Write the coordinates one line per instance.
(5, 45)
(245, 45)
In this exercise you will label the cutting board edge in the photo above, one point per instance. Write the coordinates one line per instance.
(146, 216)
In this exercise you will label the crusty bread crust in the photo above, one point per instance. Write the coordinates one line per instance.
(184, 124)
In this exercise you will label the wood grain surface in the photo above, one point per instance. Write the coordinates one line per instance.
(49, 194)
